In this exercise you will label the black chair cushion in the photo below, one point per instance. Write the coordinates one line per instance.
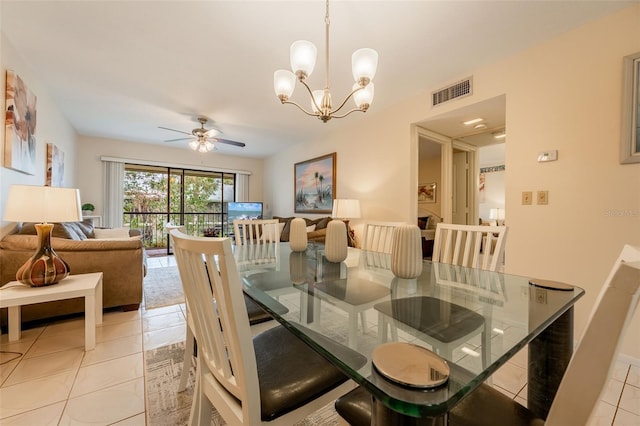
(355, 407)
(292, 374)
(439, 319)
(485, 406)
(258, 315)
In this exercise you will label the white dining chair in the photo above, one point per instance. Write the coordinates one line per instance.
(472, 246)
(259, 320)
(256, 232)
(378, 236)
(271, 378)
(582, 382)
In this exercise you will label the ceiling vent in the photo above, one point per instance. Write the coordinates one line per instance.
(457, 90)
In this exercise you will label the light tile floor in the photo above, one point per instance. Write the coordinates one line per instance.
(48, 379)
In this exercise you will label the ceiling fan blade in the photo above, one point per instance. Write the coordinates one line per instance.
(174, 130)
(228, 142)
(179, 139)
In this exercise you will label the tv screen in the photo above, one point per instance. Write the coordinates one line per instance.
(244, 210)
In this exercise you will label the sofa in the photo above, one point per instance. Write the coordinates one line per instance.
(316, 228)
(117, 253)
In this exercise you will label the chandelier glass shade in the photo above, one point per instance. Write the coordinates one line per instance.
(364, 63)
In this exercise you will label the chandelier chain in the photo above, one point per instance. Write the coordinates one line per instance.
(327, 23)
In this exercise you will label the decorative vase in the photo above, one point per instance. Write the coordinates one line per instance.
(406, 252)
(45, 267)
(298, 234)
(335, 244)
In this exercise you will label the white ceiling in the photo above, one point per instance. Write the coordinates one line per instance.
(120, 69)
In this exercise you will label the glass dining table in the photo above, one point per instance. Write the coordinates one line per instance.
(474, 320)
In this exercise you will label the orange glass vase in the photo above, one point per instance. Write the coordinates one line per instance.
(45, 267)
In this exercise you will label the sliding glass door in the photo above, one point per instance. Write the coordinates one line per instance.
(196, 199)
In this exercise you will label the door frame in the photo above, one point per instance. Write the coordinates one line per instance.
(446, 180)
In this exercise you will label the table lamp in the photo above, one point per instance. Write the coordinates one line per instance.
(497, 215)
(43, 204)
(346, 209)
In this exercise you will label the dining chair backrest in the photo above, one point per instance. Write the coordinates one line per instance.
(253, 232)
(378, 236)
(225, 347)
(472, 246)
(594, 357)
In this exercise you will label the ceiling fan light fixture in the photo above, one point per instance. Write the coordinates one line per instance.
(194, 145)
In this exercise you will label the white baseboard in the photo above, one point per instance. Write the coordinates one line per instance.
(629, 360)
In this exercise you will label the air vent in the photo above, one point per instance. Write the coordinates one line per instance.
(454, 91)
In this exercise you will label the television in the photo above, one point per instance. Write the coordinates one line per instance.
(243, 210)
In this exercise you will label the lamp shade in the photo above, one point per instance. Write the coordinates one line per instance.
(284, 82)
(346, 208)
(363, 98)
(42, 204)
(364, 63)
(497, 214)
(303, 57)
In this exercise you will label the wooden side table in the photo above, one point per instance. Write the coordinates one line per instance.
(14, 295)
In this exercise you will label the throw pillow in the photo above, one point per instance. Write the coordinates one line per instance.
(112, 233)
(311, 228)
(423, 222)
(86, 226)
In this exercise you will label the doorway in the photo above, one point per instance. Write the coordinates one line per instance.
(462, 148)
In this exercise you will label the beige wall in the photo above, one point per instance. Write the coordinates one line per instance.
(564, 94)
(90, 168)
(51, 127)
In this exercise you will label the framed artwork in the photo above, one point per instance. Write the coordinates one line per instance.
(55, 165)
(20, 126)
(630, 142)
(314, 183)
(427, 192)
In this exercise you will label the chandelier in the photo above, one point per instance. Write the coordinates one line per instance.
(201, 145)
(303, 59)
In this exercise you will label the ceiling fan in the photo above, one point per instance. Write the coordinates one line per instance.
(204, 139)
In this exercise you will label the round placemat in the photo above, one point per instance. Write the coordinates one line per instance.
(410, 365)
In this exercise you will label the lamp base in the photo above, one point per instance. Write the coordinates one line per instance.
(45, 267)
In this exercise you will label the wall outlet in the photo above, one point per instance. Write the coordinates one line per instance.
(527, 196)
(543, 198)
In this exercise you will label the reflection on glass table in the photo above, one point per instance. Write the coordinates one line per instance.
(502, 314)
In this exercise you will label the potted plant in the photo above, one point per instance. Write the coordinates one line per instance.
(87, 209)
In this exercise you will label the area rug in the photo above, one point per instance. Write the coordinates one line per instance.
(167, 406)
(162, 287)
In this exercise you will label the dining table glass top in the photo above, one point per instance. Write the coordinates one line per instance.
(475, 320)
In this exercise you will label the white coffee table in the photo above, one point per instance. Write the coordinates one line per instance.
(13, 295)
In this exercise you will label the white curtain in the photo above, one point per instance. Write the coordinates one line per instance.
(113, 194)
(242, 187)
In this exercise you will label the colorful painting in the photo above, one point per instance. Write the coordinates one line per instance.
(314, 182)
(55, 165)
(427, 193)
(20, 126)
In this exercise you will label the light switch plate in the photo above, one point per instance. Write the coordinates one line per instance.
(543, 198)
(551, 155)
(527, 196)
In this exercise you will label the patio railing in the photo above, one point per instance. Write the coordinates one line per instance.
(154, 234)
